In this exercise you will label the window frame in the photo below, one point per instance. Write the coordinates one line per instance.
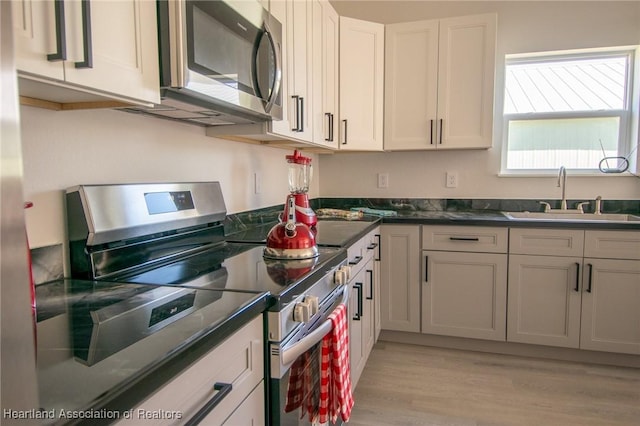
(628, 116)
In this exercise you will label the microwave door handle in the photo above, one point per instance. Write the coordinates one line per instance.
(289, 355)
(277, 81)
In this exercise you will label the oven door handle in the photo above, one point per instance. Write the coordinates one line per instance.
(289, 355)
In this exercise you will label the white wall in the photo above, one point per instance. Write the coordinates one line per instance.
(63, 149)
(522, 27)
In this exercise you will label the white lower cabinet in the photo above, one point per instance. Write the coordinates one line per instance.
(400, 277)
(249, 413)
(557, 297)
(464, 291)
(464, 294)
(362, 303)
(544, 300)
(236, 365)
(611, 305)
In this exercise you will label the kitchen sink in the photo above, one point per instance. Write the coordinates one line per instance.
(575, 217)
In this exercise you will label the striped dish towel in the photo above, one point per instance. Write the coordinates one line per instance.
(336, 396)
(303, 389)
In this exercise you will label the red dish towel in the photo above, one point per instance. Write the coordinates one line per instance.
(336, 396)
(303, 388)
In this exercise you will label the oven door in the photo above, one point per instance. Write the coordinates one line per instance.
(226, 50)
(295, 368)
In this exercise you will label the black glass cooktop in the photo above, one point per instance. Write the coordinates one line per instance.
(245, 269)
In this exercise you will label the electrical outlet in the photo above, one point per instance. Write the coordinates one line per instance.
(257, 183)
(383, 180)
(451, 180)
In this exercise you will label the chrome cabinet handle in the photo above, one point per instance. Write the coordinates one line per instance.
(61, 34)
(223, 390)
(87, 48)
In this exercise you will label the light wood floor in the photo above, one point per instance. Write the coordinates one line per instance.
(416, 385)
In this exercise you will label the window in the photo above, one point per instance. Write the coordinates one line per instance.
(567, 110)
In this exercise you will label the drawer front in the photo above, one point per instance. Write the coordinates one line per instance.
(362, 251)
(612, 244)
(549, 242)
(237, 361)
(480, 239)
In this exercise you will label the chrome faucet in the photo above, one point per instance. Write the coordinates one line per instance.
(562, 183)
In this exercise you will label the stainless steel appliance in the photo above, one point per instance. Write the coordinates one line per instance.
(220, 62)
(172, 235)
(19, 384)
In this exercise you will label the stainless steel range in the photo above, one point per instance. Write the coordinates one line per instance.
(171, 236)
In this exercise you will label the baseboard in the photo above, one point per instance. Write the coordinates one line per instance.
(508, 348)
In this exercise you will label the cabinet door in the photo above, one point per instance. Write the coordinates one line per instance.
(325, 74)
(35, 37)
(411, 85)
(465, 294)
(283, 127)
(544, 300)
(237, 364)
(299, 66)
(400, 277)
(125, 62)
(369, 293)
(357, 326)
(250, 412)
(361, 84)
(611, 306)
(466, 70)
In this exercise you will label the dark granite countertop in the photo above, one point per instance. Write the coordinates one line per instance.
(144, 357)
(494, 218)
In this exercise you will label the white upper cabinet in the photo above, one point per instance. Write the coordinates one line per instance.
(440, 83)
(361, 85)
(325, 74)
(297, 59)
(73, 48)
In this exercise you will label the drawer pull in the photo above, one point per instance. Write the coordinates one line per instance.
(464, 238)
(577, 289)
(370, 272)
(356, 260)
(223, 390)
(372, 246)
(358, 315)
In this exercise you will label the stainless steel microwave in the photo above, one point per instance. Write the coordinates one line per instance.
(222, 57)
